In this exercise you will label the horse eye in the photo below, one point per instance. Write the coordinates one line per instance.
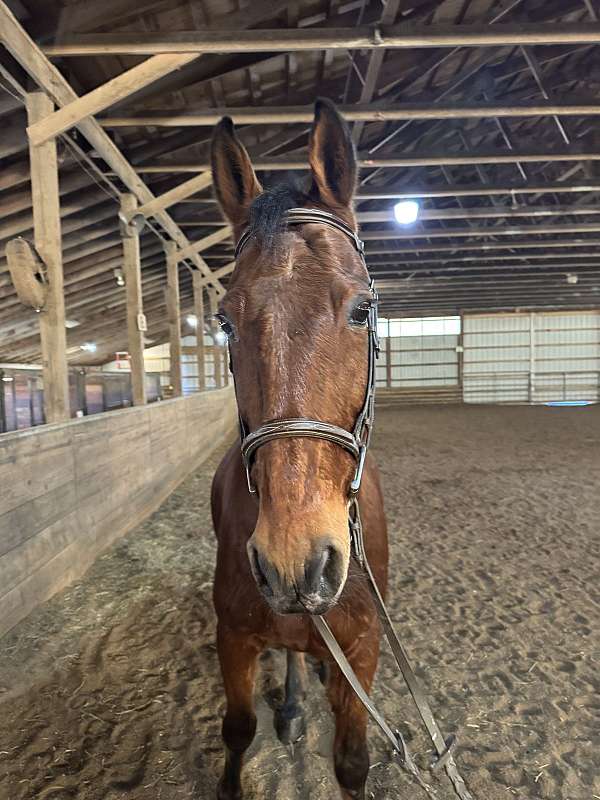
(225, 325)
(360, 313)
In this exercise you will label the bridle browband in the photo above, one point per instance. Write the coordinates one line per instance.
(354, 442)
(302, 216)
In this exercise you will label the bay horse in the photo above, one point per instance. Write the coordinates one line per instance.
(295, 313)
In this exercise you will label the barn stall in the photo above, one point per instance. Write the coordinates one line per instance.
(116, 402)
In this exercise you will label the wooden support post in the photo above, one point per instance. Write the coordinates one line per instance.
(174, 317)
(47, 238)
(48, 77)
(217, 349)
(136, 322)
(199, 311)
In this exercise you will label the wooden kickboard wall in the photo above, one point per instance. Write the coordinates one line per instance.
(68, 491)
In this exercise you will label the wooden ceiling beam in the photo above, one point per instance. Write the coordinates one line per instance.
(354, 113)
(473, 190)
(106, 95)
(450, 233)
(489, 212)
(204, 244)
(465, 288)
(466, 262)
(358, 38)
(31, 58)
(475, 271)
(13, 202)
(483, 212)
(175, 195)
(74, 215)
(413, 160)
(461, 247)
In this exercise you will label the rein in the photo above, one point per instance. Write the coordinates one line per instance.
(356, 442)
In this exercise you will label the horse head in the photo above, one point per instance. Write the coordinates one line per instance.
(296, 312)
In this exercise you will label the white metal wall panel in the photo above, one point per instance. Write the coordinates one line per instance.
(381, 365)
(537, 358)
(567, 357)
(423, 361)
(496, 358)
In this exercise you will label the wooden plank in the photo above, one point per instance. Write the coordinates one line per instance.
(33, 465)
(496, 230)
(12, 141)
(37, 550)
(135, 307)
(120, 467)
(473, 190)
(107, 95)
(388, 17)
(47, 237)
(31, 517)
(292, 115)
(199, 312)
(363, 37)
(174, 316)
(208, 241)
(176, 194)
(28, 54)
(416, 159)
(226, 269)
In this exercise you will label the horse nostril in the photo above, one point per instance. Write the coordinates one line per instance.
(260, 570)
(324, 572)
(333, 574)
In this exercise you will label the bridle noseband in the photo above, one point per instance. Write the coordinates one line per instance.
(354, 442)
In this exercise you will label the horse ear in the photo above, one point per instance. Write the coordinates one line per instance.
(235, 182)
(332, 156)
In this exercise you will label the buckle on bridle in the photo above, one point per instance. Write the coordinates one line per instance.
(356, 530)
(355, 485)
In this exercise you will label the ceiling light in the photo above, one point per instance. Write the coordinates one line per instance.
(192, 320)
(406, 212)
(89, 347)
(572, 278)
(118, 273)
(71, 323)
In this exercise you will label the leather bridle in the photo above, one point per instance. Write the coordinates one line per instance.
(356, 442)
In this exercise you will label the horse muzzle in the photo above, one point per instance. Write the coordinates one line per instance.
(312, 587)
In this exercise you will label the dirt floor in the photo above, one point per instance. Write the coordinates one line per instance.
(112, 689)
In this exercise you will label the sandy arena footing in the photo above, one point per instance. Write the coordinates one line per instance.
(111, 691)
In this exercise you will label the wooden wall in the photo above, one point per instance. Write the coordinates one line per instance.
(67, 491)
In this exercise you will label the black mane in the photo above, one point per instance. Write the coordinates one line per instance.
(267, 212)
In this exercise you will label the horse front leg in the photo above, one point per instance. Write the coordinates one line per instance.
(237, 655)
(289, 718)
(350, 751)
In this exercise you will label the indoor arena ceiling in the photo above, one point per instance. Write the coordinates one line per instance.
(485, 112)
